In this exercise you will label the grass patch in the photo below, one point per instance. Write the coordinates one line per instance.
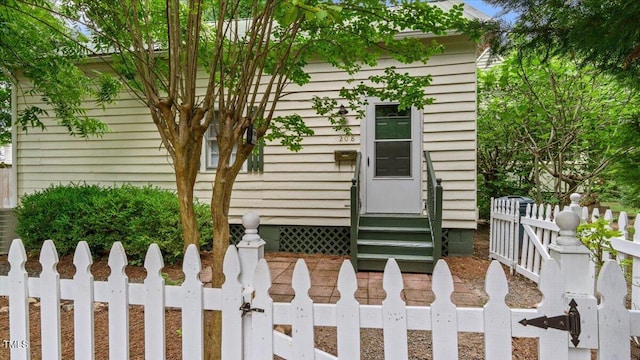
(617, 207)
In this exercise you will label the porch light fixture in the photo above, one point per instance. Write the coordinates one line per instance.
(343, 111)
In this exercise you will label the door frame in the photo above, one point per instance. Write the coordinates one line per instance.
(366, 136)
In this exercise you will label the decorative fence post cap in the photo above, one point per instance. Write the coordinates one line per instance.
(575, 198)
(251, 221)
(568, 222)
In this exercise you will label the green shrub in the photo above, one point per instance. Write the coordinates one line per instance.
(135, 216)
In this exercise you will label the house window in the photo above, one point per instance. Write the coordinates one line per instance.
(254, 163)
(212, 152)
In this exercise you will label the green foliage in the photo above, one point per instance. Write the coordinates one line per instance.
(290, 130)
(169, 281)
(549, 120)
(5, 110)
(603, 33)
(596, 236)
(595, 33)
(37, 44)
(132, 215)
(348, 35)
(496, 187)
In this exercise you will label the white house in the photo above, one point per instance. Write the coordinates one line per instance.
(303, 198)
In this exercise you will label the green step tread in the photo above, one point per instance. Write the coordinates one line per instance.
(420, 230)
(423, 258)
(396, 243)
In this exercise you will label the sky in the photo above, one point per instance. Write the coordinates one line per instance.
(488, 9)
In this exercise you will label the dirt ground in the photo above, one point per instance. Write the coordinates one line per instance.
(471, 271)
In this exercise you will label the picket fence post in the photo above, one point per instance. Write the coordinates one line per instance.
(578, 274)
(250, 252)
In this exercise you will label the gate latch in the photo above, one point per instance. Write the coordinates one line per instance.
(246, 308)
(569, 322)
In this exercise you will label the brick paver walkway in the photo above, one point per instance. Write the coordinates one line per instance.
(324, 278)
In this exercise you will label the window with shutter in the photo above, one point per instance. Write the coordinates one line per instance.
(254, 163)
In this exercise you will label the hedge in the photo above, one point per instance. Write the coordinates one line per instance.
(135, 216)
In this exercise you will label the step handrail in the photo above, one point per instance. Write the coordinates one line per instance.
(434, 206)
(355, 211)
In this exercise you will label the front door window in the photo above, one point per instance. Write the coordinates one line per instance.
(392, 141)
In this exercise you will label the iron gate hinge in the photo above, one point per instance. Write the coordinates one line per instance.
(569, 322)
(246, 308)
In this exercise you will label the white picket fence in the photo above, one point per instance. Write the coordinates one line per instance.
(496, 320)
(539, 230)
(605, 326)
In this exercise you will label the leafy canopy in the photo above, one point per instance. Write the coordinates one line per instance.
(604, 33)
(279, 37)
(36, 44)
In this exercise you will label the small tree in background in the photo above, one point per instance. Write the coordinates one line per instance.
(601, 34)
(596, 236)
(551, 125)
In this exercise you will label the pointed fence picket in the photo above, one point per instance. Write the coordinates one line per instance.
(348, 313)
(83, 299)
(497, 315)
(118, 284)
(18, 286)
(613, 320)
(50, 303)
(154, 301)
(192, 313)
(552, 343)
(496, 320)
(444, 322)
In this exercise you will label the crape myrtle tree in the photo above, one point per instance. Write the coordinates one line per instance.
(250, 51)
(550, 122)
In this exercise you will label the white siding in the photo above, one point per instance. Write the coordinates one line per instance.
(304, 188)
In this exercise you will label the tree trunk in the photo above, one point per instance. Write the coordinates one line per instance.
(220, 202)
(536, 177)
(188, 219)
